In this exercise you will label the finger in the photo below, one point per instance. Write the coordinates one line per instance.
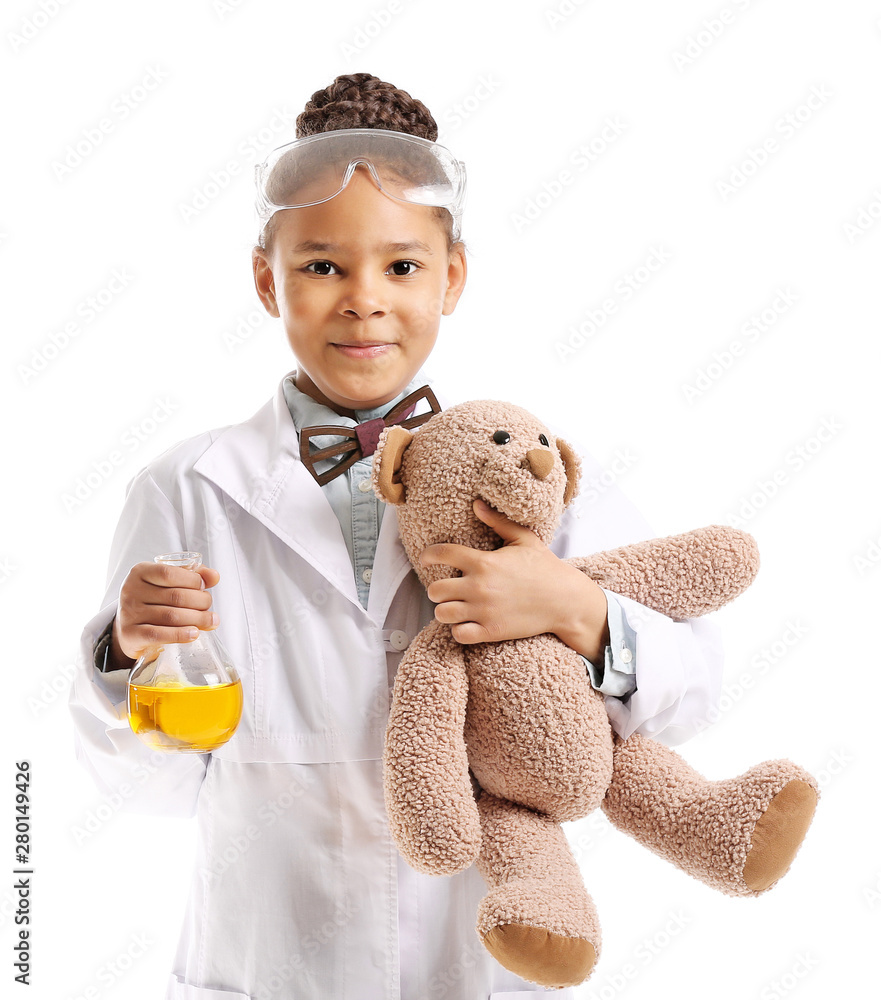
(163, 575)
(451, 588)
(502, 525)
(163, 616)
(175, 597)
(469, 632)
(210, 577)
(449, 554)
(453, 612)
(134, 642)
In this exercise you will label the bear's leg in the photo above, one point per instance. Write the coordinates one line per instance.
(537, 919)
(738, 835)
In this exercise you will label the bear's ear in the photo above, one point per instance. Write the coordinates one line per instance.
(572, 465)
(387, 464)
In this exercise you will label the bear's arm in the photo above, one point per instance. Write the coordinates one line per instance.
(681, 576)
(429, 797)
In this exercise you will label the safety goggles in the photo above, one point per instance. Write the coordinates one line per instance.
(315, 169)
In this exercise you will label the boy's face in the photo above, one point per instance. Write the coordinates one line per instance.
(360, 283)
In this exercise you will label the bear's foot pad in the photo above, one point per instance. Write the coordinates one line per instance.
(778, 835)
(541, 956)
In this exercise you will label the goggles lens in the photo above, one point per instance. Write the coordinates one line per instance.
(315, 169)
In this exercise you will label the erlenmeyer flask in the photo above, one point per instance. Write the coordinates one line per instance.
(185, 697)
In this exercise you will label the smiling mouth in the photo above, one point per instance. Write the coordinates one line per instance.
(361, 343)
(370, 349)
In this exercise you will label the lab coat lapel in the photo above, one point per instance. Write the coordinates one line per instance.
(257, 464)
(390, 566)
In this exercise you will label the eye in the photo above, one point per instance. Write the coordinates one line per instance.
(501, 437)
(411, 264)
(321, 266)
(543, 440)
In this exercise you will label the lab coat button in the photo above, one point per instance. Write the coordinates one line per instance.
(399, 640)
(365, 486)
(367, 575)
(626, 655)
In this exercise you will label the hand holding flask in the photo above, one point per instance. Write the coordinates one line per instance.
(185, 697)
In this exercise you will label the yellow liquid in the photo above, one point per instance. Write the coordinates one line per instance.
(186, 719)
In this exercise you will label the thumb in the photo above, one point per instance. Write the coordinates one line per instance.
(502, 525)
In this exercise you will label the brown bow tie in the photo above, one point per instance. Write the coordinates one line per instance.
(360, 441)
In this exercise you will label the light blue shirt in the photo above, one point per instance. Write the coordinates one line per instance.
(351, 495)
(359, 512)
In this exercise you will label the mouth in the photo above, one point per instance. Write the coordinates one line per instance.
(363, 349)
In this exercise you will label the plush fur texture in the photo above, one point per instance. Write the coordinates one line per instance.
(522, 718)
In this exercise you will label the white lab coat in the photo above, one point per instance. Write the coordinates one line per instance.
(299, 891)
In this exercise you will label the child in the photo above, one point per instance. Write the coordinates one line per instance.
(299, 891)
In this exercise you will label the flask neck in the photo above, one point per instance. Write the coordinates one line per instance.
(188, 560)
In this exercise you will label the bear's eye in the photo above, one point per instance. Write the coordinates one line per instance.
(501, 437)
(543, 440)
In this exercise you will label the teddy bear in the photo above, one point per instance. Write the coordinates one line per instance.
(491, 746)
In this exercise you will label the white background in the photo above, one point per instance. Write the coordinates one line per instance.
(516, 89)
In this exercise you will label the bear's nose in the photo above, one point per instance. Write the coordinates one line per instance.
(541, 461)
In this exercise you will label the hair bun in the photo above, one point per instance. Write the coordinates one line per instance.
(361, 100)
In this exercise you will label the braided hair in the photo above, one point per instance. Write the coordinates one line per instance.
(361, 100)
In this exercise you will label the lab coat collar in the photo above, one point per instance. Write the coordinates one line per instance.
(257, 464)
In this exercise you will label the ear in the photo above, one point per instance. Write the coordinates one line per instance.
(264, 281)
(387, 463)
(572, 465)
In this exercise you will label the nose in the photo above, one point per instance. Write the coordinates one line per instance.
(363, 296)
(541, 461)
